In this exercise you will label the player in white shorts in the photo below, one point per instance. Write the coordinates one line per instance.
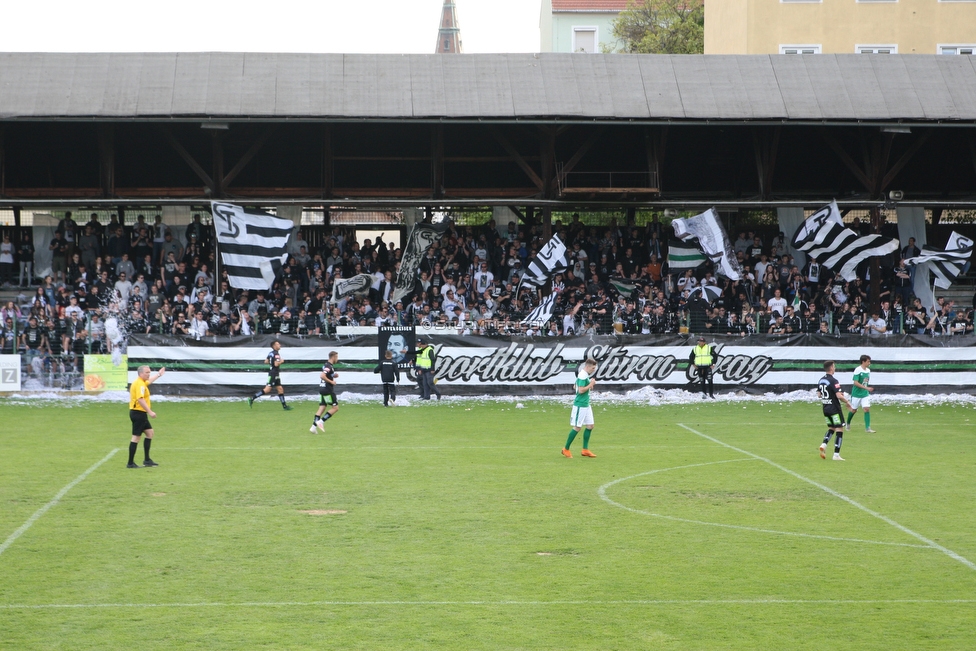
(582, 415)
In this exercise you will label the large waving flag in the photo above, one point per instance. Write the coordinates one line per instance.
(552, 259)
(252, 244)
(422, 236)
(707, 232)
(823, 236)
(948, 264)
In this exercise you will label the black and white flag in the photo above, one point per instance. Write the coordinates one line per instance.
(552, 259)
(946, 265)
(540, 316)
(252, 244)
(706, 231)
(345, 287)
(422, 236)
(823, 236)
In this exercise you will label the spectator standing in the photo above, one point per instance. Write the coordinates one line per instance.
(6, 261)
(25, 255)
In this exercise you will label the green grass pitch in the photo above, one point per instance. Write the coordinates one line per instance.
(459, 525)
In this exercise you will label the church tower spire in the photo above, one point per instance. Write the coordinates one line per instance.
(449, 35)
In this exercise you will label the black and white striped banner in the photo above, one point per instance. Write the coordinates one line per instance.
(946, 265)
(707, 232)
(540, 316)
(823, 236)
(252, 244)
(549, 261)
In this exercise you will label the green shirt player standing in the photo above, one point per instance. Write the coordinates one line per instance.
(582, 415)
(861, 393)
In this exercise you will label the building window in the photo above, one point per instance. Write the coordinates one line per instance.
(957, 49)
(799, 49)
(585, 40)
(876, 49)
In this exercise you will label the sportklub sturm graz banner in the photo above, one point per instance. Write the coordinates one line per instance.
(475, 365)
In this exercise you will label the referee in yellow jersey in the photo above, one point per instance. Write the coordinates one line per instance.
(140, 411)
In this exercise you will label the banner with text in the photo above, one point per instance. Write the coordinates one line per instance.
(482, 365)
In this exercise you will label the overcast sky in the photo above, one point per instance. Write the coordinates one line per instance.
(389, 26)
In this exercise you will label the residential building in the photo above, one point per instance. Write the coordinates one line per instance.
(579, 25)
(840, 26)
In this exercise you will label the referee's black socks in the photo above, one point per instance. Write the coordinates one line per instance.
(146, 443)
(133, 446)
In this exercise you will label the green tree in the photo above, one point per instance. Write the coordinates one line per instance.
(662, 27)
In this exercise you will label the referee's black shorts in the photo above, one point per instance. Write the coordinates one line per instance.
(140, 422)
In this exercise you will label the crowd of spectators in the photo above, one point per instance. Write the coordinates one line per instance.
(146, 278)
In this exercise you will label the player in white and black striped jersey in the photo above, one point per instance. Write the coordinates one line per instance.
(327, 394)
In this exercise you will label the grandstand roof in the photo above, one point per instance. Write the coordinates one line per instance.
(607, 6)
(552, 86)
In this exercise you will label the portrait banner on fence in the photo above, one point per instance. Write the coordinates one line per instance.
(401, 341)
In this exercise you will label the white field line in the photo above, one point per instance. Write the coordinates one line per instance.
(566, 602)
(353, 448)
(57, 498)
(930, 543)
(602, 492)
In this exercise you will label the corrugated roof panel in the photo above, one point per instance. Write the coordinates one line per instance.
(594, 86)
(816, 87)
(225, 84)
(427, 86)
(394, 85)
(190, 85)
(729, 88)
(660, 87)
(477, 85)
(89, 81)
(858, 76)
(292, 85)
(795, 87)
(626, 85)
(258, 84)
(18, 85)
(326, 84)
(157, 75)
(896, 86)
(698, 96)
(824, 75)
(959, 73)
(931, 89)
(561, 85)
(56, 76)
(759, 86)
(528, 87)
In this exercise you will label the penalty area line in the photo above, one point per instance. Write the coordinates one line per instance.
(506, 602)
(931, 543)
(57, 498)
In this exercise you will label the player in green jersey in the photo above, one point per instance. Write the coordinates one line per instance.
(582, 415)
(861, 393)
